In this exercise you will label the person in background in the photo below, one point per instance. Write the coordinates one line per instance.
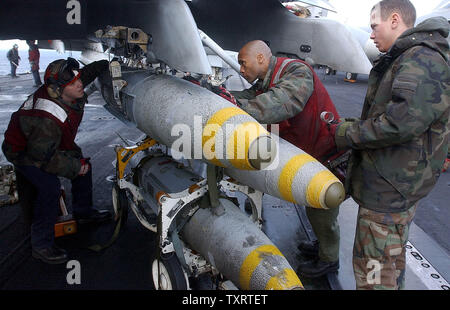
(33, 57)
(14, 58)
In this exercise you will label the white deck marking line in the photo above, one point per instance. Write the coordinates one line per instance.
(424, 270)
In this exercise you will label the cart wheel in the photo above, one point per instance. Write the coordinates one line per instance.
(170, 275)
(120, 204)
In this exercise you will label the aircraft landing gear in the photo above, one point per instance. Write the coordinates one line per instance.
(330, 71)
(350, 77)
(168, 274)
(120, 205)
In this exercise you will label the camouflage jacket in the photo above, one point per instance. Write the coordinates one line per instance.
(13, 56)
(44, 136)
(283, 101)
(400, 142)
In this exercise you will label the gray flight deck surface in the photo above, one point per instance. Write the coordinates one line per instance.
(126, 263)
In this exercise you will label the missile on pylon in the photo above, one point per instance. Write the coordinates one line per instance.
(191, 119)
(295, 176)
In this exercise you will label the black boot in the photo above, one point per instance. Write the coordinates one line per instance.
(50, 255)
(317, 268)
(95, 216)
(309, 248)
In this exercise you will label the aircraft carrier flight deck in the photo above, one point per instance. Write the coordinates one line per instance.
(126, 264)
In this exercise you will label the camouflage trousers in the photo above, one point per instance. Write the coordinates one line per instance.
(379, 260)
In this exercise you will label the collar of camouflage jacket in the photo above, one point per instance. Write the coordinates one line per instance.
(266, 82)
(431, 32)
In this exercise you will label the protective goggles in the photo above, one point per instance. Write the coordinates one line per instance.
(67, 73)
(70, 76)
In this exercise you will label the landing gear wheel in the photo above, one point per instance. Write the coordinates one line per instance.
(328, 71)
(120, 205)
(170, 275)
(351, 76)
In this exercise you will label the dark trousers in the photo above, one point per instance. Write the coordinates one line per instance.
(37, 78)
(13, 69)
(46, 191)
(326, 228)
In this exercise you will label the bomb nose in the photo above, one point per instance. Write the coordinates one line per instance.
(334, 195)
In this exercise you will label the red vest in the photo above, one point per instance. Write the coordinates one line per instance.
(33, 57)
(306, 130)
(41, 105)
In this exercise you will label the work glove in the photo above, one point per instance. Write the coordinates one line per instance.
(338, 129)
(446, 165)
(218, 90)
(191, 79)
(72, 64)
(338, 132)
(223, 92)
(343, 124)
(85, 166)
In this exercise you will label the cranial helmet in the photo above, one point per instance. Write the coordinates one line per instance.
(59, 74)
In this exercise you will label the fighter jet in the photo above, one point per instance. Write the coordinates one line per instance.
(319, 41)
(320, 9)
(443, 9)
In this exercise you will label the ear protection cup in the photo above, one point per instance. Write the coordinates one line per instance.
(53, 91)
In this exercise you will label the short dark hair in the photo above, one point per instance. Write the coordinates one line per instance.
(403, 7)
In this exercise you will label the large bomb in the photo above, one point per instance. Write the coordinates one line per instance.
(170, 110)
(239, 249)
(192, 120)
(224, 235)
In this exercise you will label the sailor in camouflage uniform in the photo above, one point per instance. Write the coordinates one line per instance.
(400, 143)
(40, 142)
(289, 93)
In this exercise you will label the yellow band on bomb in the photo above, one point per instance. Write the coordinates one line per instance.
(239, 143)
(317, 188)
(288, 173)
(213, 125)
(252, 261)
(285, 280)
